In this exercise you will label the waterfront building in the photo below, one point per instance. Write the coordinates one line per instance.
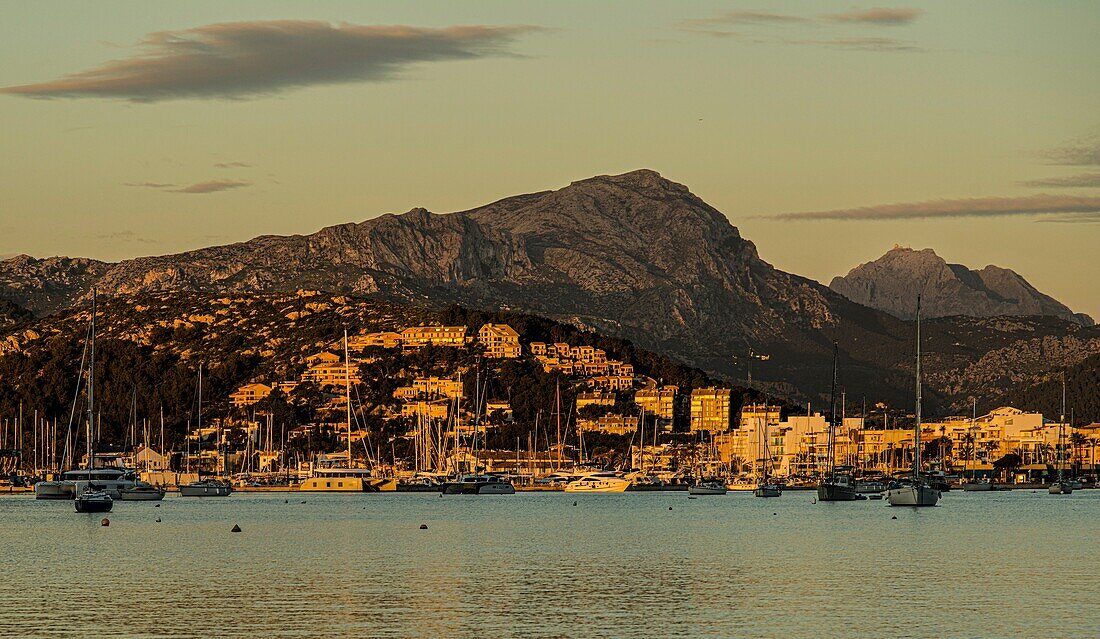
(595, 398)
(710, 410)
(609, 424)
(430, 387)
(324, 357)
(383, 339)
(332, 374)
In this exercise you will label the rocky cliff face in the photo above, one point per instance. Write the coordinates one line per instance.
(632, 255)
(890, 283)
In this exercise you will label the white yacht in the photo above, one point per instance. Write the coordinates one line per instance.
(598, 482)
(915, 490)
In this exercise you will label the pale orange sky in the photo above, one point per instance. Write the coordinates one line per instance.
(979, 119)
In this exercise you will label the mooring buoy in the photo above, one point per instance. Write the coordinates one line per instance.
(105, 522)
(423, 526)
(235, 528)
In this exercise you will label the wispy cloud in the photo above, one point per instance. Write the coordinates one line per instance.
(213, 186)
(862, 44)
(1085, 152)
(746, 17)
(1083, 180)
(250, 59)
(127, 237)
(149, 185)
(1031, 205)
(877, 15)
(231, 165)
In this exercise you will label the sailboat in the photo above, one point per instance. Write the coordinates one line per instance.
(914, 490)
(1061, 487)
(835, 485)
(973, 484)
(92, 499)
(764, 488)
(205, 487)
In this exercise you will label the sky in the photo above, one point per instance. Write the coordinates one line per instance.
(826, 132)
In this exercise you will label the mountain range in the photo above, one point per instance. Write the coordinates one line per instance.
(634, 255)
(946, 289)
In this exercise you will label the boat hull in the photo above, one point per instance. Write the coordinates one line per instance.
(706, 490)
(977, 486)
(1060, 488)
(486, 488)
(921, 495)
(141, 495)
(99, 503)
(768, 491)
(55, 490)
(205, 491)
(836, 492)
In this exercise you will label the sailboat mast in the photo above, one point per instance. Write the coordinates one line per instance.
(1062, 429)
(916, 428)
(91, 386)
(832, 417)
(347, 390)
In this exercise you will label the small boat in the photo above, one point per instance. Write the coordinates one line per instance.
(837, 487)
(707, 488)
(837, 484)
(1060, 488)
(206, 488)
(600, 482)
(479, 485)
(741, 485)
(1063, 486)
(768, 490)
(420, 484)
(93, 501)
(977, 486)
(141, 491)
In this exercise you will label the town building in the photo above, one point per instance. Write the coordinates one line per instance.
(500, 341)
(710, 410)
(249, 394)
(659, 403)
(383, 339)
(429, 388)
(417, 336)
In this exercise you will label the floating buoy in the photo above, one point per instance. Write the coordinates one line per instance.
(423, 526)
(235, 528)
(670, 507)
(286, 501)
(105, 522)
(894, 517)
(158, 520)
(574, 503)
(814, 500)
(775, 513)
(157, 506)
(303, 502)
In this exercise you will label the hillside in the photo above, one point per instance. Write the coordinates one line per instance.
(888, 284)
(149, 348)
(635, 256)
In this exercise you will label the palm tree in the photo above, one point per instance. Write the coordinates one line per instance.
(1078, 441)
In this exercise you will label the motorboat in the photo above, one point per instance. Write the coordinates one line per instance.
(93, 501)
(141, 491)
(837, 487)
(707, 488)
(768, 490)
(206, 488)
(1060, 488)
(478, 485)
(599, 482)
(977, 486)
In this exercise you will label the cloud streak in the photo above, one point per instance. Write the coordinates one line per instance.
(877, 15)
(127, 237)
(213, 186)
(149, 185)
(232, 165)
(240, 60)
(1069, 206)
(1085, 180)
(1083, 153)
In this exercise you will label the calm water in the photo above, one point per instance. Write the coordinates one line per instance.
(535, 565)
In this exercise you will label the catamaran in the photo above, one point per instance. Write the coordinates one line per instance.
(835, 485)
(914, 490)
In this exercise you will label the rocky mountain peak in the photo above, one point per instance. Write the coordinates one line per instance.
(891, 283)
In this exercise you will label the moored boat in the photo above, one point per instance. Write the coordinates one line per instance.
(141, 491)
(707, 488)
(598, 482)
(93, 501)
(206, 488)
(479, 485)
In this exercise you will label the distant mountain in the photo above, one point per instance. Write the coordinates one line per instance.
(890, 283)
(633, 255)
